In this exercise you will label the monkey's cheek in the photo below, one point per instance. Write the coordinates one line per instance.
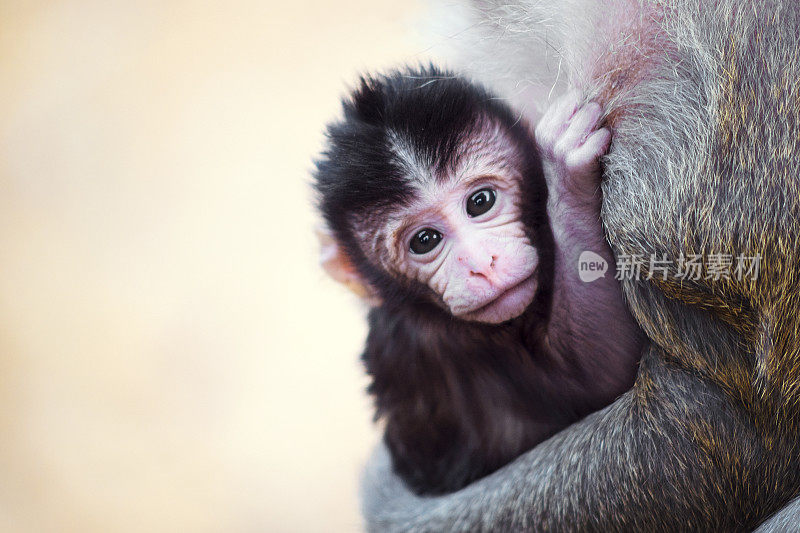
(507, 306)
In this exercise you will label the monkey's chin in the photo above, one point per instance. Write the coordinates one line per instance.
(508, 305)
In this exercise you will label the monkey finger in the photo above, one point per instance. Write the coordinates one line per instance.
(556, 118)
(566, 106)
(581, 126)
(596, 145)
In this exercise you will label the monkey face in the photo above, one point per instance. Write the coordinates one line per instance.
(422, 188)
(464, 239)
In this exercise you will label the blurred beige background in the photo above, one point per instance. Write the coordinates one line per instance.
(172, 357)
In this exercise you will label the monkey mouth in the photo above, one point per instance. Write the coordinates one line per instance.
(507, 305)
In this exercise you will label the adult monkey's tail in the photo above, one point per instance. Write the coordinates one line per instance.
(704, 100)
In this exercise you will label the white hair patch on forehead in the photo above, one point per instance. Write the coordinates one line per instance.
(415, 169)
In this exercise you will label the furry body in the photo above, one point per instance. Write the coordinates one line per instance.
(707, 130)
(461, 397)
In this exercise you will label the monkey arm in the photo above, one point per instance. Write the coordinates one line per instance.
(589, 320)
(672, 454)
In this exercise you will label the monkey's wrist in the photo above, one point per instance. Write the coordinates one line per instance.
(573, 187)
(576, 201)
(576, 218)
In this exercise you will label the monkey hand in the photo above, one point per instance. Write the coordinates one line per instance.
(571, 145)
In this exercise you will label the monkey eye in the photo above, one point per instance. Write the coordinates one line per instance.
(481, 202)
(425, 240)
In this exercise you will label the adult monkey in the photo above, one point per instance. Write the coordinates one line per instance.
(705, 105)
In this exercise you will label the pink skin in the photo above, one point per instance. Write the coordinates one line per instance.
(584, 314)
(570, 147)
(484, 265)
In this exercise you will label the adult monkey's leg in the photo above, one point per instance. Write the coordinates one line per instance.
(629, 467)
(705, 161)
(787, 519)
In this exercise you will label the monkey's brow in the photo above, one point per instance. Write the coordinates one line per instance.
(399, 226)
(488, 175)
(502, 169)
(486, 151)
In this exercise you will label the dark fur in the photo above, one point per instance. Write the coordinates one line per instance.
(704, 159)
(459, 399)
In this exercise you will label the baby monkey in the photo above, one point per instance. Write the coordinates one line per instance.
(464, 232)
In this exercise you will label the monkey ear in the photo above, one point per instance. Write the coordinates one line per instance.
(338, 266)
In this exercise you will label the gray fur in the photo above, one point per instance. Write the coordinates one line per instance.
(705, 158)
(786, 521)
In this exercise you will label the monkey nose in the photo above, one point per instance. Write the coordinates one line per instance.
(482, 267)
